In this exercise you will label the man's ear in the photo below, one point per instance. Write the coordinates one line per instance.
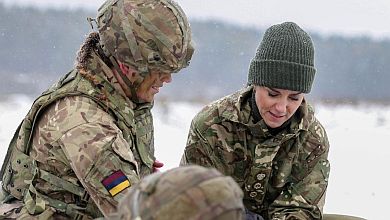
(127, 71)
(124, 68)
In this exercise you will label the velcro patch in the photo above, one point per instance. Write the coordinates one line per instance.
(116, 182)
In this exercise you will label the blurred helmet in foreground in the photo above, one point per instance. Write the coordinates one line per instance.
(145, 34)
(189, 192)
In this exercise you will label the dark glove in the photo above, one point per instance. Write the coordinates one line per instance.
(252, 216)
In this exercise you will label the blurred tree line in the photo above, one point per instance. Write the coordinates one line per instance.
(38, 46)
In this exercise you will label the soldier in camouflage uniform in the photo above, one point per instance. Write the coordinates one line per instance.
(189, 192)
(89, 138)
(266, 135)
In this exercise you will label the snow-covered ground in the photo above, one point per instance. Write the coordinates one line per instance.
(358, 135)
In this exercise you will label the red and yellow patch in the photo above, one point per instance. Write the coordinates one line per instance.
(116, 182)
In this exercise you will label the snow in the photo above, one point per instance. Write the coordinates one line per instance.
(358, 137)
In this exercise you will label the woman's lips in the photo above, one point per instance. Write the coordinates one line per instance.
(276, 116)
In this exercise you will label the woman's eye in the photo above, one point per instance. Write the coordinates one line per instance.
(294, 98)
(272, 94)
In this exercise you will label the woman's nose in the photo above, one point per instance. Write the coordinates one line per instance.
(281, 106)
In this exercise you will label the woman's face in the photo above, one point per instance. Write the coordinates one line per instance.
(276, 106)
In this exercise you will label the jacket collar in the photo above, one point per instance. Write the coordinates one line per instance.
(97, 66)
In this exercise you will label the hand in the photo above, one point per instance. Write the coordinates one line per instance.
(157, 165)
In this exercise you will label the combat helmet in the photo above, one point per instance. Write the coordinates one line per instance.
(189, 192)
(145, 34)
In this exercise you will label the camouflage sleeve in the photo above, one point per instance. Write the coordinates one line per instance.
(197, 149)
(304, 197)
(96, 151)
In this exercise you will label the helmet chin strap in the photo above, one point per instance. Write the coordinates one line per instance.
(131, 86)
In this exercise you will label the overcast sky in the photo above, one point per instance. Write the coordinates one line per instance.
(347, 17)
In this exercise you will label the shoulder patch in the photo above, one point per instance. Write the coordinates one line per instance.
(116, 182)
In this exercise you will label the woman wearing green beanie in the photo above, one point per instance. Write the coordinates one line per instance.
(266, 135)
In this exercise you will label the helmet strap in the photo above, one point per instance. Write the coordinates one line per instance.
(130, 85)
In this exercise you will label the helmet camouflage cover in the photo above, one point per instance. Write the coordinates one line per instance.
(189, 192)
(145, 34)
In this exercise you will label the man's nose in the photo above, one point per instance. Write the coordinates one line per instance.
(166, 77)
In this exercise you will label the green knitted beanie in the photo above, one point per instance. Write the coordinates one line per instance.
(284, 59)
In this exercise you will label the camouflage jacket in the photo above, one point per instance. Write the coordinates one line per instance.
(80, 148)
(283, 175)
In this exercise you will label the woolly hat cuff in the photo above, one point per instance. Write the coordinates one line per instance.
(281, 74)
